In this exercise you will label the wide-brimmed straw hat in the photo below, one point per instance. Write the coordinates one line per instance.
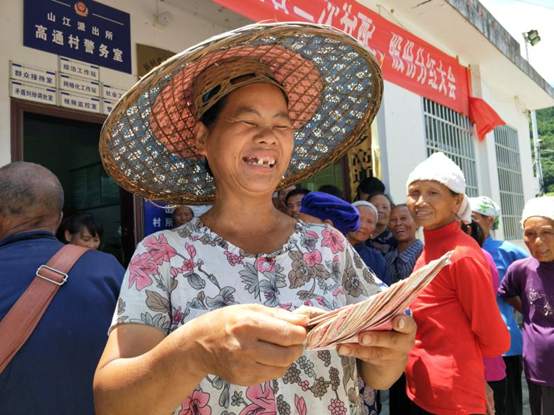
(334, 88)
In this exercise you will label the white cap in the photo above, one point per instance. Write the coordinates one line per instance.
(441, 169)
(540, 206)
(365, 203)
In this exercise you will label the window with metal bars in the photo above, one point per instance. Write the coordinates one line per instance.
(509, 179)
(452, 133)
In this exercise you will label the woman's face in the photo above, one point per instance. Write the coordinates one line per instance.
(432, 203)
(367, 225)
(182, 215)
(538, 235)
(402, 224)
(83, 238)
(294, 204)
(383, 207)
(250, 145)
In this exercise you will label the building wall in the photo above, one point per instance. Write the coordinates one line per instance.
(400, 122)
(185, 29)
(402, 125)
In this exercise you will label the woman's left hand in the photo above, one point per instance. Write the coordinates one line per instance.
(383, 353)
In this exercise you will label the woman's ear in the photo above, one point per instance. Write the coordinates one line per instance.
(67, 236)
(329, 222)
(459, 198)
(200, 138)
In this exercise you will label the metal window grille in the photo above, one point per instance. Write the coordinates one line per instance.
(509, 178)
(452, 133)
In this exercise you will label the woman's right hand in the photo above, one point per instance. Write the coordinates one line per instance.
(247, 344)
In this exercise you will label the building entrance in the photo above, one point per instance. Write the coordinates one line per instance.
(69, 148)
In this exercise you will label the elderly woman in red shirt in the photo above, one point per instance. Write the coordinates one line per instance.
(457, 316)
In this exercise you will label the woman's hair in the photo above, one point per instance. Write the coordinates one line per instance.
(73, 224)
(331, 189)
(210, 117)
(370, 185)
(371, 196)
(474, 230)
(294, 192)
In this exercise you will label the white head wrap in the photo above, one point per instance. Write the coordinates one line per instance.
(487, 207)
(366, 204)
(441, 169)
(540, 206)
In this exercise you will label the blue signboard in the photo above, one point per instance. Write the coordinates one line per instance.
(85, 30)
(156, 218)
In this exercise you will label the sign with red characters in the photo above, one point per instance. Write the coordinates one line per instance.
(405, 59)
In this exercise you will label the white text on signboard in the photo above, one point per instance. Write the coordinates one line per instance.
(77, 68)
(81, 103)
(32, 92)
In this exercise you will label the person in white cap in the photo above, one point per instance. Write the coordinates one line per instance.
(457, 316)
(486, 213)
(529, 287)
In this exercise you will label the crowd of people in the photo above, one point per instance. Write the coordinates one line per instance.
(211, 317)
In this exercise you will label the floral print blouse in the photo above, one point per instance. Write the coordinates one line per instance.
(176, 275)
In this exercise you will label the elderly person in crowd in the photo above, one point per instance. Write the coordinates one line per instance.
(457, 316)
(383, 239)
(330, 209)
(529, 287)
(486, 213)
(371, 256)
(206, 323)
(399, 264)
(495, 368)
(181, 215)
(53, 370)
(279, 198)
(293, 201)
(401, 260)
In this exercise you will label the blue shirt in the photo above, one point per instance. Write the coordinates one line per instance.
(52, 373)
(504, 253)
(400, 265)
(373, 259)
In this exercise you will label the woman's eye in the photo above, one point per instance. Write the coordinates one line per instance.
(248, 123)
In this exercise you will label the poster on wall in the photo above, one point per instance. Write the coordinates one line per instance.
(156, 217)
(85, 30)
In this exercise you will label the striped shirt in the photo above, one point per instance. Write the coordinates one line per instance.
(399, 265)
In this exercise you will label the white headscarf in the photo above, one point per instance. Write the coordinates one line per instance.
(365, 203)
(441, 169)
(486, 207)
(540, 206)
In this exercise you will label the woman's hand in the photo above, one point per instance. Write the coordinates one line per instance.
(248, 344)
(383, 354)
(489, 397)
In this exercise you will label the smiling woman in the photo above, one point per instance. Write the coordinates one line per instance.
(457, 316)
(207, 319)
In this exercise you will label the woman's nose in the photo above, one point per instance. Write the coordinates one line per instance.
(266, 136)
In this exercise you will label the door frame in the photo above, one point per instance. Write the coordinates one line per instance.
(18, 107)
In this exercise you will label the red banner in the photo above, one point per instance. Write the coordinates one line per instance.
(406, 60)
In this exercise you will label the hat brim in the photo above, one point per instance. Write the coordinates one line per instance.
(334, 87)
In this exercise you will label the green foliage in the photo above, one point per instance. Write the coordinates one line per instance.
(545, 123)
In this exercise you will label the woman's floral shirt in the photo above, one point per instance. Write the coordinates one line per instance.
(176, 275)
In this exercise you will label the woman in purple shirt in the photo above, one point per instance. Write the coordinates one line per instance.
(529, 287)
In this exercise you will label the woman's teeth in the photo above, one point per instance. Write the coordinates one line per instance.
(262, 162)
